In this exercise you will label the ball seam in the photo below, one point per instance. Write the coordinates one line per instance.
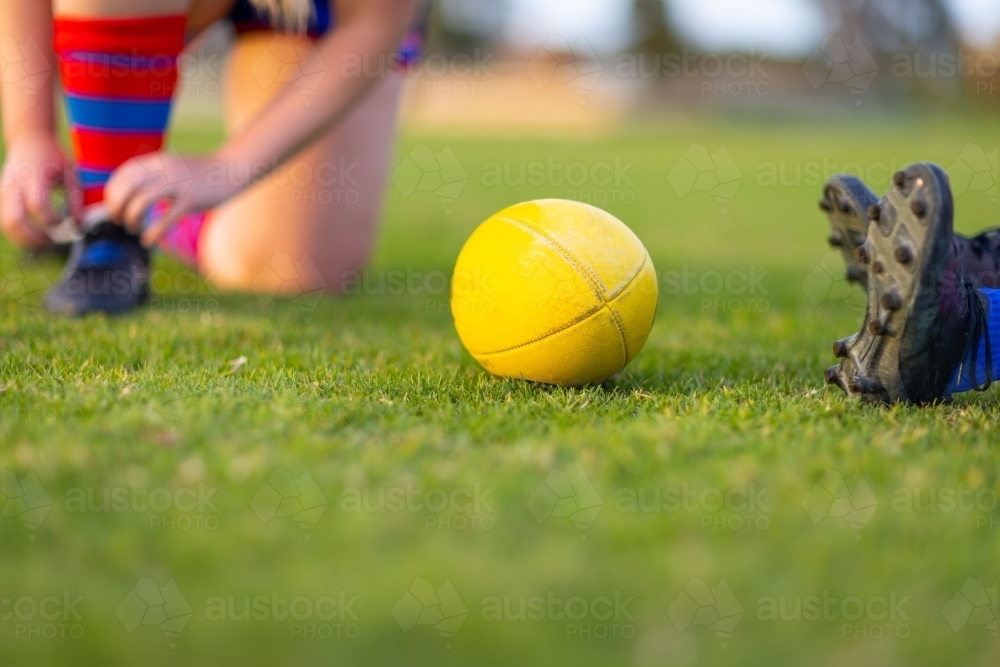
(585, 272)
(583, 318)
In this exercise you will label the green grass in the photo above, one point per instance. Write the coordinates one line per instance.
(375, 392)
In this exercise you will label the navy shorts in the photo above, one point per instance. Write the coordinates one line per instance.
(247, 18)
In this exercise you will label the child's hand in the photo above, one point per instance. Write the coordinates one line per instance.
(35, 165)
(188, 183)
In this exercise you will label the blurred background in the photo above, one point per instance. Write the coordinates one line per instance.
(572, 65)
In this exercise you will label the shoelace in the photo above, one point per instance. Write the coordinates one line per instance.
(979, 329)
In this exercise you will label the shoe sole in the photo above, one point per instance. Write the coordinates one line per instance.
(78, 313)
(847, 202)
(895, 255)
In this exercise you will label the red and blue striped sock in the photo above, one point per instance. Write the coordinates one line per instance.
(119, 77)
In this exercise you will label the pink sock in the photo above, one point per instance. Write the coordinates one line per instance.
(182, 240)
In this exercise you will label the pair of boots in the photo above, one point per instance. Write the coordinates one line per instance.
(926, 331)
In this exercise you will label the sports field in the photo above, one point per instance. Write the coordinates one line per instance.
(229, 479)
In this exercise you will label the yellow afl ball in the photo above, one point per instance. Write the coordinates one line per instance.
(554, 291)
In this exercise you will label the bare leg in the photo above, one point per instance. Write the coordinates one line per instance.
(321, 210)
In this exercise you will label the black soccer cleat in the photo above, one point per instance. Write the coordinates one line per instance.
(924, 314)
(847, 202)
(851, 206)
(107, 272)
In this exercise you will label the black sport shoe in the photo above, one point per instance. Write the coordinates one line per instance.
(849, 203)
(107, 272)
(924, 314)
(846, 201)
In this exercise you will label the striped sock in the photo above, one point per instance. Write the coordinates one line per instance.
(119, 77)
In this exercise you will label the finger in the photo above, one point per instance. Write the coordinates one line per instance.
(124, 183)
(16, 224)
(136, 210)
(156, 231)
(74, 191)
(38, 201)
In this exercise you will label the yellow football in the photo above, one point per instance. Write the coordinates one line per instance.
(554, 291)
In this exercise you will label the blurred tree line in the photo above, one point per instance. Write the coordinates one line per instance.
(887, 26)
(916, 37)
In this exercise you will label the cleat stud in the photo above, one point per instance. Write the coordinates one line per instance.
(845, 208)
(891, 300)
(903, 255)
(864, 385)
(899, 179)
(855, 274)
(863, 253)
(830, 374)
(919, 208)
(879, 327)
(878, 268)
(840, 348)
(836, 239)
(874, 212)
(825, 205)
